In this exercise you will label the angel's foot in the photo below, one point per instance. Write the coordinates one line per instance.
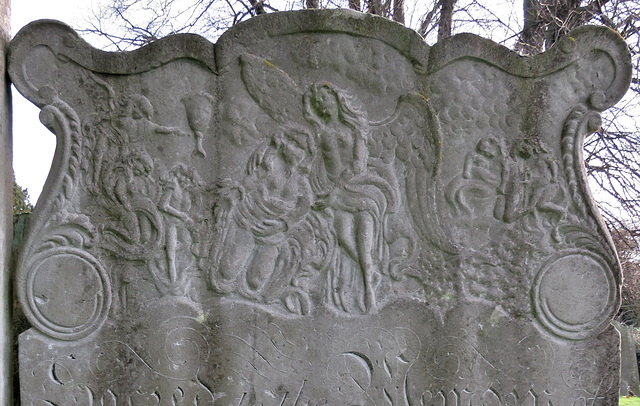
(370, 299)
(371, 281)
(199, 152)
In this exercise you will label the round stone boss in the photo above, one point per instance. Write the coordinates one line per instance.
(574, 294)
(67, 292)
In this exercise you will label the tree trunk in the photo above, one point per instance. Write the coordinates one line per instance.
(258, 6)
(446, 19)
(564, 15)
(375, 7)
(531, 39)
(398, 11)
(354, 5)
(312, 4)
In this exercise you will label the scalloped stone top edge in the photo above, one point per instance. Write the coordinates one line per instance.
(64, 41)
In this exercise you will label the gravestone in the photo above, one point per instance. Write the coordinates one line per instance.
(629, 380)
(319, 209)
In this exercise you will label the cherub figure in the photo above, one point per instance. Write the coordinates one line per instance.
(178, 204)
(486, 162)
(129, 194)
(135, 120)
(481, 176)
(529, 183)
(121, 123)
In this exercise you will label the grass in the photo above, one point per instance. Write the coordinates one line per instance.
(632, 401)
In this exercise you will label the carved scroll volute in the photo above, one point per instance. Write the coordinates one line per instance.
(57, 246)
(607, 74)
(522, 178)
(102, 140)
(602, 76)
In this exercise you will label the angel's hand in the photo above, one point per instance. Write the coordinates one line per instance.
(319, 205)
(323, 201)
(181, 133)
(347, 175)
(228, 198)
(268, 227)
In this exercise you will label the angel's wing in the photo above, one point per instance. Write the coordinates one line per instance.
(410, 140)
(101, 93)
(274, 91)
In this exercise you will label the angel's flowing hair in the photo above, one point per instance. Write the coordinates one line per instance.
(350, 109)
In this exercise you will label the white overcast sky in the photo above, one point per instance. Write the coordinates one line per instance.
(33, 144)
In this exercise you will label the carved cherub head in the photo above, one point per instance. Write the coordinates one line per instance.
(140, 162)
(141, 107)
(489, 147)
(185, 175)
(528, 147)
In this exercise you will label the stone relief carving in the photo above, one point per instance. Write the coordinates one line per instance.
(315, 197)
(275, 225)
(265, 242)
(521, 185)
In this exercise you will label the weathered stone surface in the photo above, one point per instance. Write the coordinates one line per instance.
(320, 209)
(629, 380)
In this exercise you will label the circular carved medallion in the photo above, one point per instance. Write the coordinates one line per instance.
(574, 294)
(68, 293)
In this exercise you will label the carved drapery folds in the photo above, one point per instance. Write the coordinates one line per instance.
(330, 210)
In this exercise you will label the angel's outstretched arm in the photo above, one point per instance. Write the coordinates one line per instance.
(303, 203)
(165, 130)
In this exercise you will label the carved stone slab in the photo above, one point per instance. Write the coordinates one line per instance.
(319, 209)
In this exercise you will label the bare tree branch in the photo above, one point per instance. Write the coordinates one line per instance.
(446, 19)
(398, 11)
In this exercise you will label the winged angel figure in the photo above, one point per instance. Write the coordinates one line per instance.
(363, 190)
